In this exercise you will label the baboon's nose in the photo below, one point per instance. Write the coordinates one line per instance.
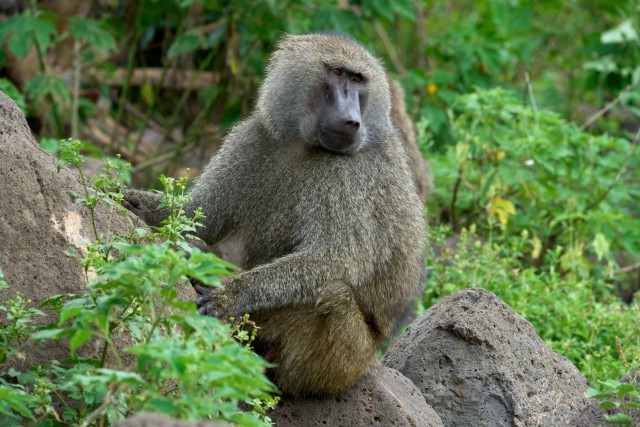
(355, 124)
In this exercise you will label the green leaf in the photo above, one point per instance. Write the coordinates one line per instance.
(600, 246)
(164, 406)
(49, 334)
(26, 29)
(625, 388)
(187, 43)
(404, 9)
(609, 405)
(146, 91)
(618, 419)
(611, 383)
(13, 92)
(68, 313)
(80, 337)
(42, 85)
(15, 400)
(50, 145)
(3, 284)
(620, 34)
(593, 393)
(382, 8)
(91, 32)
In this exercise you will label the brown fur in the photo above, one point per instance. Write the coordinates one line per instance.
(331, 245)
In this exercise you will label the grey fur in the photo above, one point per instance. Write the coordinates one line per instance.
(331, 245)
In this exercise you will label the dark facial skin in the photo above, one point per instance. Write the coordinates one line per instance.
(340, 105)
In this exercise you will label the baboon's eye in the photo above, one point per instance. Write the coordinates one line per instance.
(357, 78)
(338, 71)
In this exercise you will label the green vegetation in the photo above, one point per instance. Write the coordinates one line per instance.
(528, 111)
(186, 365)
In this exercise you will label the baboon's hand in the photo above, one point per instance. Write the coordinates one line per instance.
(199, 287)
(144, 204)
(215, 303)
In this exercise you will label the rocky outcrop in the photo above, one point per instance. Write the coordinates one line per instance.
(157, 420)
(40, 223)
(384, 397)
(478, 363)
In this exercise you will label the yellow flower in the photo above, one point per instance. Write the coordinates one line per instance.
(432, 89)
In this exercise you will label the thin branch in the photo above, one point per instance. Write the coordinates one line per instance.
(618, 177)
(77, 67)
(162, 158)
(534, 105)
(607, 107)
(454, 220)
(393, 55)
(175, 79)
(108, 400)
(628, 268)
(421, 30)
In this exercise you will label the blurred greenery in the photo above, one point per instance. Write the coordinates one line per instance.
(529, 112)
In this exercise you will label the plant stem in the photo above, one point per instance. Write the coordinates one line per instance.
(601, 197)
(91, 208)
(454, 220)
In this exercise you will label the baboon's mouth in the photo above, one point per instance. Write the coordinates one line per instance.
(339, 142)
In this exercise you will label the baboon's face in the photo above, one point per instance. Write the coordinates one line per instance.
(338, 103)
(325, 92)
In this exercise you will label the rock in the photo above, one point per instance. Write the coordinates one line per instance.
(593, 414)
(157, 420)
(39, 221)
(478, 363)
(384, 397)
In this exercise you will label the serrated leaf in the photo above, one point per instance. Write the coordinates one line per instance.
(42, 85)
(91, 32)
(20, 46)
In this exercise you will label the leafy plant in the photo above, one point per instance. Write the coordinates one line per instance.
(527, 169)
(13, 92)
(180, 363)
(622, 398)
(580, 318)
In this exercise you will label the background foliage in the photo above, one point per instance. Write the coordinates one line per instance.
(529, 112)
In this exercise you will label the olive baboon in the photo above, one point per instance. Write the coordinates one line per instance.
(316, 190)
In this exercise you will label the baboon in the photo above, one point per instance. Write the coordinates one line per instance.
(316, 189)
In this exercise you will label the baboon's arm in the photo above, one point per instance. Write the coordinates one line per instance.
(296, 279)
